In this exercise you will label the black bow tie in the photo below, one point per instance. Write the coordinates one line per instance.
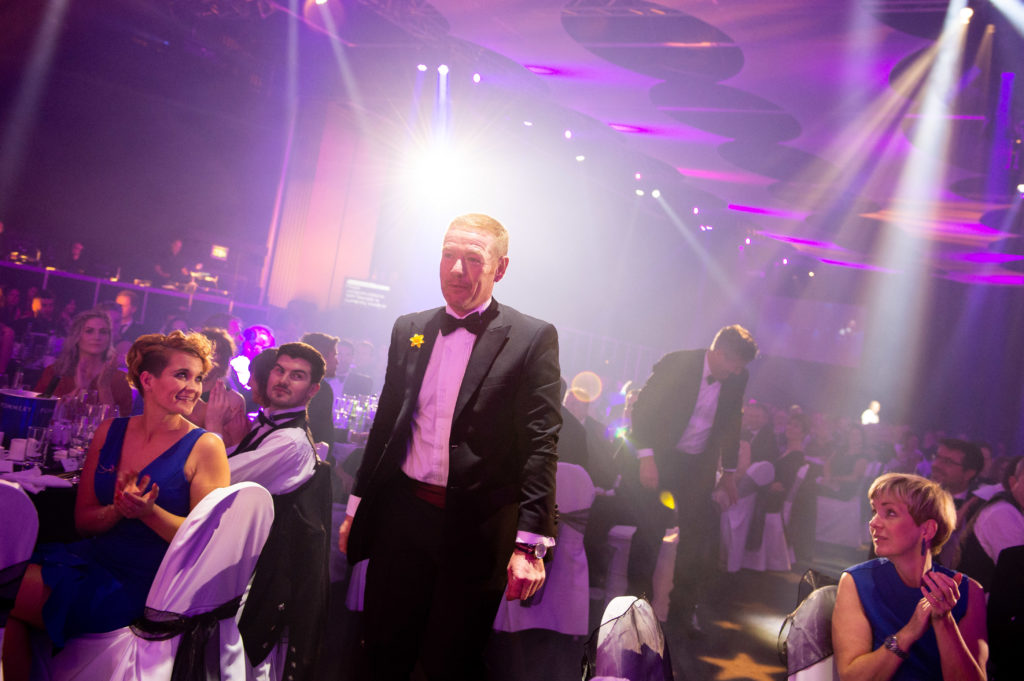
(474, 323)
(272, 420)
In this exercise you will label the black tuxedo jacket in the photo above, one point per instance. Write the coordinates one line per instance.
(666, 403)
(505, 426)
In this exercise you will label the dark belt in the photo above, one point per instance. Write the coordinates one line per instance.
(434, 495)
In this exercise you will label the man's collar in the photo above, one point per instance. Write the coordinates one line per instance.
(480, 309)
(270, 411)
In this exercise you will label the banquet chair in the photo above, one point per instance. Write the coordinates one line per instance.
(18, 531)
(620, 538)
(629, 643)
(808, 637)
(563, 603)
(195, 594)
(283, 624)
(775, 553)
(839, 521)
(734, 523)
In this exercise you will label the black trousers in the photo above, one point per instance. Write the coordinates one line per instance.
(690, 479)
(433, 586)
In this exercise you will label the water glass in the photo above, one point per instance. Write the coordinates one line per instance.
(35, 445)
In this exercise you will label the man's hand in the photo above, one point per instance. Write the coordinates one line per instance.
(346, 527)
(525, 576)
(728, 485)
(648, 473)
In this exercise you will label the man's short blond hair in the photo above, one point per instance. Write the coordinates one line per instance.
(479, 222)
(925, 500)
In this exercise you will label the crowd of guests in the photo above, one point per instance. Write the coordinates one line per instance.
(938, 507)
(182, 413)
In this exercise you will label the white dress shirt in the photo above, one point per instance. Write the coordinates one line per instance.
(999, 526)
(282, 462)
(428, 450)
(694, 439)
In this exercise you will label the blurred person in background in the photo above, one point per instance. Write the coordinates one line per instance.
(221, 409)
(85, 364)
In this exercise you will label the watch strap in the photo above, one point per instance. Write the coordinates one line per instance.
(892, 644)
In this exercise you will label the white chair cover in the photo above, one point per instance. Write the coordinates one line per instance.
(825, 670)
(630, 642)
(734, 523)
(356, 586)
(18, 530)
(775, 553)
(209, 562)
(664, 573)
(19, 527)
(620, 538)
(838, 521)
(564, 603)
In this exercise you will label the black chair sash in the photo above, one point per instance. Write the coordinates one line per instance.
(192, 661)
(10, 580)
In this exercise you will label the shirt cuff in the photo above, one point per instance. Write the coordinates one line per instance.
(531, 538)
(353, 504)
(644, 453)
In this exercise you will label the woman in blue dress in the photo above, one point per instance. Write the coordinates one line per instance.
(142, 476)
(900, 616)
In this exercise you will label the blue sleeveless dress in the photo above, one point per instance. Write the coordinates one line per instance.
(101, 583)
(888, 604)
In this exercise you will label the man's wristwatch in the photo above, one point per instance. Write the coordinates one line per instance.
(535, 550)
(893, 646)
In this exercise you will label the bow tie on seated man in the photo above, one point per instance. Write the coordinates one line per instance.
(278, 453)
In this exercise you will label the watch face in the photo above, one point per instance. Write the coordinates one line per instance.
(541, 550)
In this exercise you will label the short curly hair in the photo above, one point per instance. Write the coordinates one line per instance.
(152, 353)
(925, 500)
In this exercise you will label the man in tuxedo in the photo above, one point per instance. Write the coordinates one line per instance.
(278, 453)
(685, 422)
(131, 326)
(321, 407)
(455, 494)
(346, 379)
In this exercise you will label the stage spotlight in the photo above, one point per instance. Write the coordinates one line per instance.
(443, 69)
(476, 77)
(568, 134)
(656, 194)
(1020, 188)
(785, 261)
(810, 274)
(965, 15)
(639, 192)
(581, 158)
(637, 176)
(528, 124)
(320, 2)
(747, 241)
(421, 68)
(696, 210)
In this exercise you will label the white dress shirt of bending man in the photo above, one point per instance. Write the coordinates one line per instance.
(278, 452)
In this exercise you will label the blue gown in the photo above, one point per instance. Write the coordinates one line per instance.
(888, 604)
(101, 583)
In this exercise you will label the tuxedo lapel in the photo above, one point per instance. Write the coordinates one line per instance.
(484, 351)
(416, 365)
